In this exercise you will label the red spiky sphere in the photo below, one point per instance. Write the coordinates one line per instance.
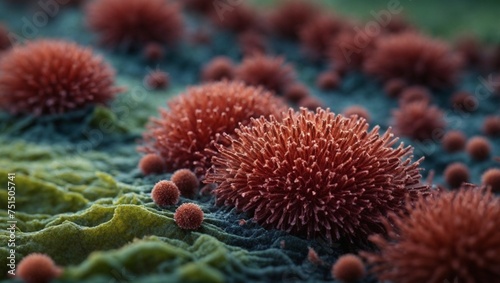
(419, 121)
(195, 119)
(453, 237)
(415, 59)
(316, 36)
(315, 175)
(52, 77)
(219, 68)
(37, 268)
(290, 16)
(134, 23)
(270, 72)
(348, 268)
(189, 216)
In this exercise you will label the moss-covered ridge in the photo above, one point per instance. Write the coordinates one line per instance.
(99, 228)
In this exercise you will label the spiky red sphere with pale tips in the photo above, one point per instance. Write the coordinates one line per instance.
(135, 23)
(290, 16)
(270, 72)
(315, 174)
(184, 134)
(419, 121)
(317, 35)
(452, 237)
(53, 77)
(37, 268)
(415, 59)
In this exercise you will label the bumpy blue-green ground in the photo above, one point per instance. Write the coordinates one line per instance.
(81, 199)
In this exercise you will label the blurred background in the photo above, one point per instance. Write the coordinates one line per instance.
(444, 18)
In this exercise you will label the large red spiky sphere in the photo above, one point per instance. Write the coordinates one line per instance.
(315, 175)
(52, 76)
(270, 72)
(415, 59)
(184, 133)
(133, 23)
(290, 16)
(453, 237)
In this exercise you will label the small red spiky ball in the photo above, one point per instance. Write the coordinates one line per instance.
(290, 16)
(315, 174)
(478, 148)
(135, 23)
(186, 181)
(219, 68)
(348, 268)
(188, 216)
(53, 77)
(151, 164)
(165, 193)
(157, 80)
(456, 174)
(419, 121)
(317, 35)
(270, 72)
(453, 237)
(185, 133)
(415, 59)
(37, 268)
(491, 178)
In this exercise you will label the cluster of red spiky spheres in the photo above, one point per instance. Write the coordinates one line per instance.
(135, 23)
(415, 59)
(315, 174)
(184, 135)
(37, 268)
(52, 77)
(452, 237)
